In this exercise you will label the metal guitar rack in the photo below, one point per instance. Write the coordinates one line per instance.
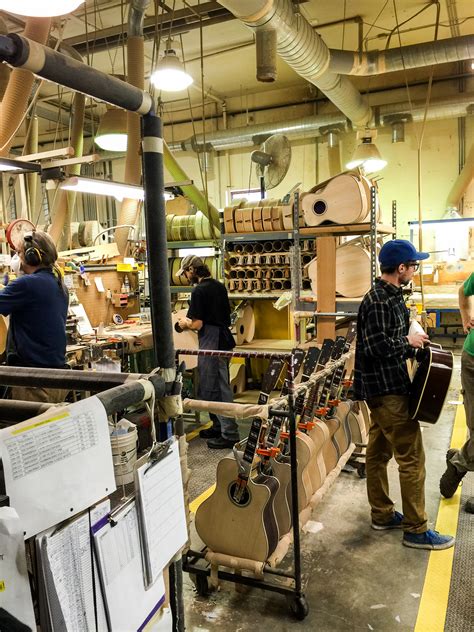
(194, 562)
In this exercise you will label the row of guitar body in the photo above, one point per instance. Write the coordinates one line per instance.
(246, 519)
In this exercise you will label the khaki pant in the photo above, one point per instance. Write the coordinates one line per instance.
(35, 394)
(463, 460)
(393, 433)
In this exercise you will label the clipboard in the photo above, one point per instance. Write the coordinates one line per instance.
(129, 605)
(161, 508)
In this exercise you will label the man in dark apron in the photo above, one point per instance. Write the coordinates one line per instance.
(209, 315)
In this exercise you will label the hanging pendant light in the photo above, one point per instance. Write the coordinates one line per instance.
(112, 132)
(366, 155)
(38, 9)
(170, 75)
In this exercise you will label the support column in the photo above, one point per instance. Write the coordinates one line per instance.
(326, 290)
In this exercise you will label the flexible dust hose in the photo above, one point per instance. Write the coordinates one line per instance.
(129, 209)
(15, 99)
(190, 190)
(4, 69)
(64, 202)
(32, 178)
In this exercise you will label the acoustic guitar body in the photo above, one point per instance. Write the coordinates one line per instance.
(356, 421)
(341, 200)
(239, 220)
(430, 385)
(330, 451)
(306, 456)
(229, 225)
(257, 219)
(280, 469)
(342, 436)
(248, 220)
(248, 530)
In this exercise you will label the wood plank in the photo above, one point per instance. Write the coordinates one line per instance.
(343, 229)
(326, 290)
(53, 153)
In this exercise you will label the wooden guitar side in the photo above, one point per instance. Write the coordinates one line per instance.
(249, 531)
(342, 436)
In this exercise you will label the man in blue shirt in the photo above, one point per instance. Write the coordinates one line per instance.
(37, 304)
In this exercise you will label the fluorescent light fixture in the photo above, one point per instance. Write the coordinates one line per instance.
(112, 132)
(367, 157)
(19, 166)
(170, 75)
(38, 9)
(118, 190)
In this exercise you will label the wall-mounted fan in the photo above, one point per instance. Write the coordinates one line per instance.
(272, 160)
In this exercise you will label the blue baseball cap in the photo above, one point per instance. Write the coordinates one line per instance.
(397, 251)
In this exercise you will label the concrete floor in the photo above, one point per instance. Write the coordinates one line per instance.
(355, 578)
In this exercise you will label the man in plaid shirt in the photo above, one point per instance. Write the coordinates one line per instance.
(381, 378)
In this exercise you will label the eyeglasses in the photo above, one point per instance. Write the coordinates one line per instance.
(412, 264)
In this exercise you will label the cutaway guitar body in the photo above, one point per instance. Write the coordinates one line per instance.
(330, 450)
(305, 455)
(280, 469)
(247, 529)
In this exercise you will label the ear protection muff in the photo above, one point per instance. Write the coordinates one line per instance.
(32, 254)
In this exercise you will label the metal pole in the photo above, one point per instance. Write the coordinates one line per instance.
(294, 477)
(66, 378)
(160, 297)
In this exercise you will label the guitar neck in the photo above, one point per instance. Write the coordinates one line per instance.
(252, 444)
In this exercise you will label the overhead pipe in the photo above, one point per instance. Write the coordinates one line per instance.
(304, 50)
(18, 90)
(32, 148)
(404, 58)
(21, 52)
(4, 69)
(129, 209)
(314, 126)
(462, 182)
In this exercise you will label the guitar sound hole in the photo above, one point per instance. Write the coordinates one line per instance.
(319, 207)
(244, 499)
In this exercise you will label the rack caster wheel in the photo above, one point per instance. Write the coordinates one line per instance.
(201, 584)
(299, 607)
(361, 470)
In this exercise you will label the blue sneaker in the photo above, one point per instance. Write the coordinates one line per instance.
(394, 523)
(431, 540)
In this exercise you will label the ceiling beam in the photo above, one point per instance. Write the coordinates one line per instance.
(178, 22)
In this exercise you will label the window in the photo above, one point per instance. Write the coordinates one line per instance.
(251, 195)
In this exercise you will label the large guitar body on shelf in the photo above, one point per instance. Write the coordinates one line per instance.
(430, 384)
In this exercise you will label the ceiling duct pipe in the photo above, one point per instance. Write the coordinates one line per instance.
(304, 50)
(18, 90)
(405, 58)
(462, 182)
(266, 50)
(128, 214)
(314, 126)
(65, 201)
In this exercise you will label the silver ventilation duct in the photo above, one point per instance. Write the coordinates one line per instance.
(405, 58)
(314, 126)
(303, 49)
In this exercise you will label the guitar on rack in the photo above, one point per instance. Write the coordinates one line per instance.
(342, 199)
(238, 519)
(277, 464)
(318, 433)
(330, 449)
(340, 406)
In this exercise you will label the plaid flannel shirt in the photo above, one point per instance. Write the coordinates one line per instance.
(382, 345)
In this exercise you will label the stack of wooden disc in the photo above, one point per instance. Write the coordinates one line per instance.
(266, 216)
(174, 264)
(188, 227)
